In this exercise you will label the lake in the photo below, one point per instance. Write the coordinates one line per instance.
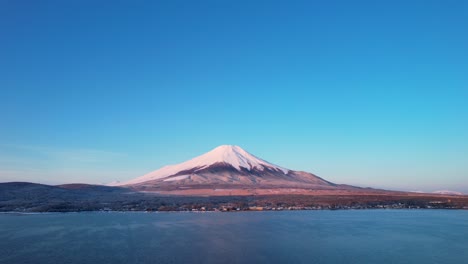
(359, 236)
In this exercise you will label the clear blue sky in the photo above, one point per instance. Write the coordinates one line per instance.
(372, 93)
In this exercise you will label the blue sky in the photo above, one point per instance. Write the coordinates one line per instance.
(372, 93)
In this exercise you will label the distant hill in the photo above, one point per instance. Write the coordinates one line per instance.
(16, 196)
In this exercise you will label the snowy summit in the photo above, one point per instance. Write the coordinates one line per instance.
(231, 155)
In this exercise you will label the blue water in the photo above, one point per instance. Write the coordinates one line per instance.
(367, 236)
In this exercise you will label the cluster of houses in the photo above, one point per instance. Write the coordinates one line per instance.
(251, 206)
(233, 207)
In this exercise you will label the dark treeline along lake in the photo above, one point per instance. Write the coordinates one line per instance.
(355, 236)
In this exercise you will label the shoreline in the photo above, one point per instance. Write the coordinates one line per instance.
(233, 211)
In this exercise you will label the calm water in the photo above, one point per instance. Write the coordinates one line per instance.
(369, 236)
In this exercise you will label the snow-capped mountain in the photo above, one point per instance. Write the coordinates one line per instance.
(225, 166)
(448, 192)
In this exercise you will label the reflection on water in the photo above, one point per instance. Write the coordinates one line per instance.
(371, 236)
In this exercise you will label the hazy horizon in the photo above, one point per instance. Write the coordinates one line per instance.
(365, 93)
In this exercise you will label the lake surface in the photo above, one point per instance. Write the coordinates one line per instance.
(363, 236)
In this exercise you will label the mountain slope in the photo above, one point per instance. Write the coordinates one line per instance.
(226, 154)
(227, 166)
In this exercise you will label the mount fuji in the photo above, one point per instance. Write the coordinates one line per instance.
(225, 177)
(227, 167)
